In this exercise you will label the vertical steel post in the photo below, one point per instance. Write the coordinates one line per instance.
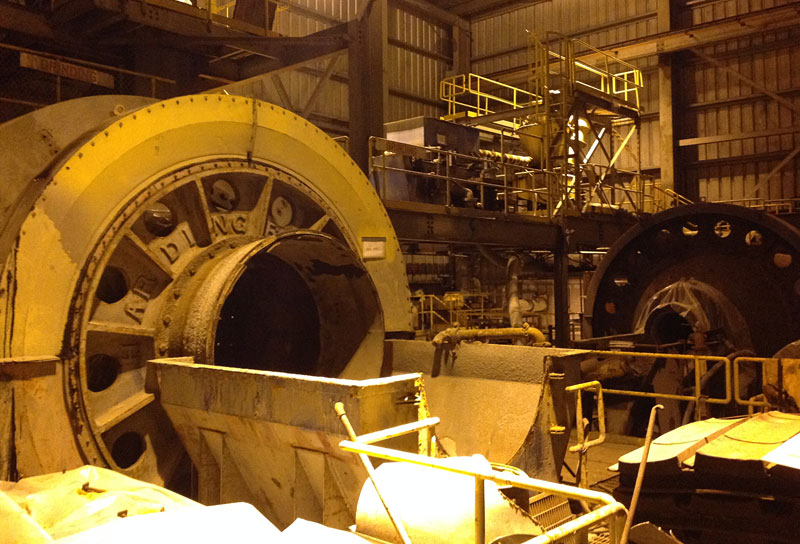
(398, 525)
(561, 289)
(637, 488)
(368, 88)
(480, 511)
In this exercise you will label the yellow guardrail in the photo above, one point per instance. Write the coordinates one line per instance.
(763, 361)
(435, 310)
(732, 372)
(576, 72)
(665, 198)
(583, 445)
(472, 94)
(699, 370)
(607, 509)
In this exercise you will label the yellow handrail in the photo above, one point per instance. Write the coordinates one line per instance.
(698, 398)
(483, 91)
(732, 369)
(609, 510)
(625, 83)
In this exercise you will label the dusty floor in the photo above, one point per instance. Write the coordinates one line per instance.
(600, 457)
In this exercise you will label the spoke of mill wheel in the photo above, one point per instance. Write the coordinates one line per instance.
(261, 209)
(120, 328)
(122, 410)
(147, 254)
(320, 223)
(203, 222)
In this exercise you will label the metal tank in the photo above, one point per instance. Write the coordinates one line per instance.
(702, 279)
(728, 272)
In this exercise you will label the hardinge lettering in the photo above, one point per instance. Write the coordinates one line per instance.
(178, 242)
(225, 224)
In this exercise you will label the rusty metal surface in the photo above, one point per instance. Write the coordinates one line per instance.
(271, 438)
(497, 400)
(35, 432)
(453, 335)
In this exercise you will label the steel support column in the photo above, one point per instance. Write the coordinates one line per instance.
(667, 100)
(561, 290)
(368, 89)
(462, 50)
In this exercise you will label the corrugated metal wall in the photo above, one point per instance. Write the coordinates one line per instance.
(499, 42)
(707, 11)
(714, 108)
(733, 134)
(715, 104)
(417, 60)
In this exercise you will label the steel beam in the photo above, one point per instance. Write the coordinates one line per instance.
(167, 15)
(461, 41)
(286, 51)
(20, 20)
(422, 222)
(795, 110)
(774, 172)
(432, 13)
(747, 81)
(282, 93)
(289, 56)
(764, 20)
(312, 100)
(17, 18)
(688, 142)
(474, 8)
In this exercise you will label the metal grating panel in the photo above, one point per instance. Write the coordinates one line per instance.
(550, 511)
